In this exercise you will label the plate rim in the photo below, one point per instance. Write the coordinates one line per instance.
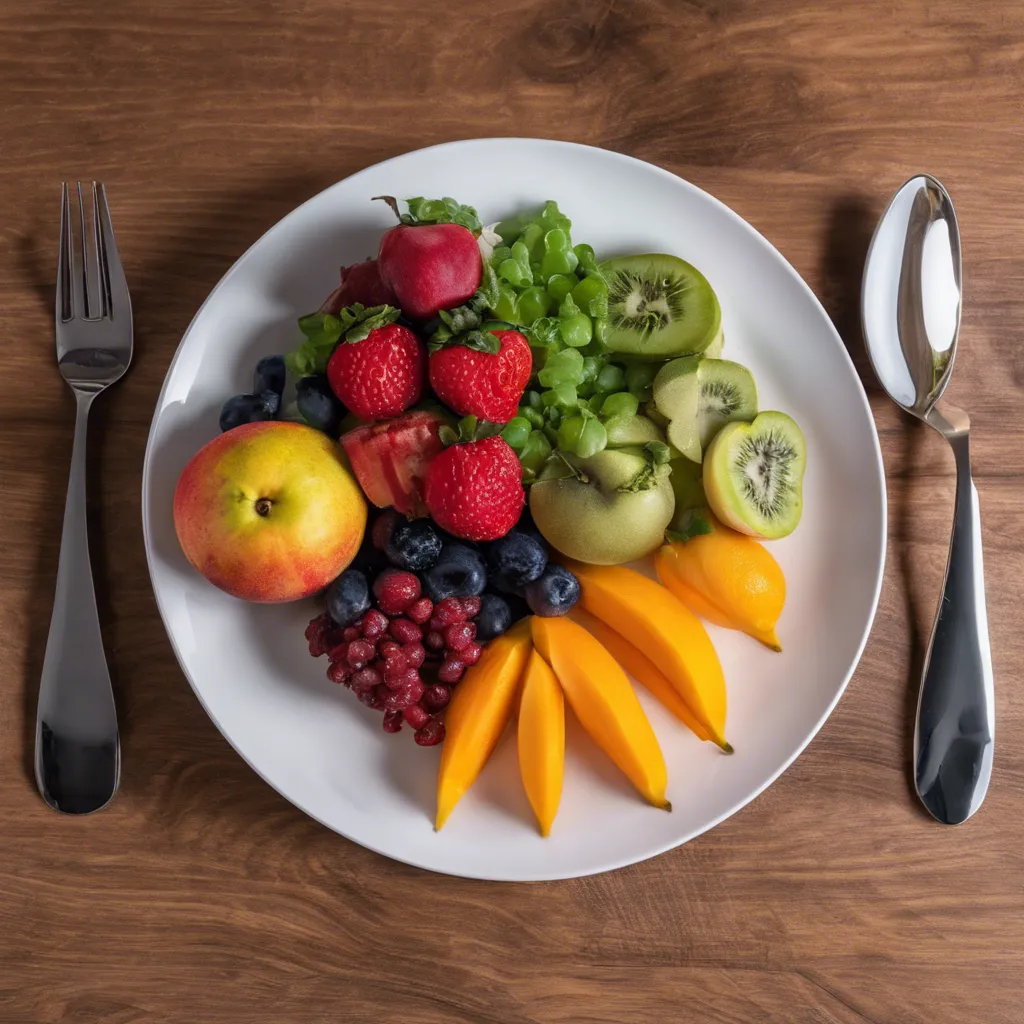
(862, 397)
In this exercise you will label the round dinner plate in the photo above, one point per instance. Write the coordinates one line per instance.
(326, 753)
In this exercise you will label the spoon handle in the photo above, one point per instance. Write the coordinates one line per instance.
(953, 741)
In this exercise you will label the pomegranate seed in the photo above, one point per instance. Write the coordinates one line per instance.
(394, 673)
(392, 721)
(388, 648)
(339, 672)
(365, 679)
(371, 699)
(414, 655)
(405, 631)
(316, 626)
(437, 696)
(374, 624)
(380, 532)
(420, 611)
(470, 654)
(471, 606)
(360, 652)
(395, 590)
(435, 640)
(350, 633)
(416, 715)
(446, 612)
(459, 635)
(339, 652)
(451, 670)
(431, 734)
(399, 700)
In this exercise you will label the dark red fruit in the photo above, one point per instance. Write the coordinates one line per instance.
(350, 633)
(366, 679)
(374, 624)
(320, 635)
(470, 654)
(372, 698)
(437, 697)
(451, 670)
(395, 590)
(459, 635)
(388, 648)
(405, 631)
(339, 652)
(339, 672)
(360, 653)
(434, 640)
(392, 720)
(399, 700)
(395, 672)
(448, 611)
(414, 655)
(431, 734)
(416, 715)
(360, 283)
(420, 611)
(471, 606)
(380, 532)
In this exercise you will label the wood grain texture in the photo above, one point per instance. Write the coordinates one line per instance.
(200, 895)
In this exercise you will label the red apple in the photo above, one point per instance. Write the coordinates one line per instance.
(359, 283)
(269, 512)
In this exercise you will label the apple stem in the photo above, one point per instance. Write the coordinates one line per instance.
(393, 203)
(263, 506)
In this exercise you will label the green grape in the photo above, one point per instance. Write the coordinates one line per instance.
(585, 254)
(591, 295)
(535, 452)
(570, 432)
(565, 367)
(595, 403)
(611, 378)
(640, 379)
(533, 399)
(553, 416)
(551, 218)
(593, 439)
(506, 308)
(511, 271)
(621, 404)
(576, 331)
(551, 433)
(533, 304)
(591, 369)
(560, 285)
(516, 431)
(533, 416)
(556, 261)
(500, 254)
(556, 240)
(533, 238)
(562, 395)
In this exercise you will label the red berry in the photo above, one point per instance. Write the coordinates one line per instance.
(405, 631)
(420, 611)
(360, 653)
(431, 734)
(416, 715)
(437, 696)
(380, 532)
(372, 698)
(388, 648)
(395, 670)
(471, 606)
(339, 672)
(365, 679)
(392, 721)
(374, 624)
(395, 590)
(316, 635)
(409, 694)
(459, 635)
(414, 655)
(339, 652)
(470, 654)
(317, 626)
(448, 611)
(434, 640)
(451, 670)
(350, 633)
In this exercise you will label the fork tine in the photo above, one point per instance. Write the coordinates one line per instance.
(100, 248)
(79, 288)
(111, 272)
(63, 310)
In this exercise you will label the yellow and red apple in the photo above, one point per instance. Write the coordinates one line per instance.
(269, 511)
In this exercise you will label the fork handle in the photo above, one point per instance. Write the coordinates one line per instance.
(953, 741)
(77, 756)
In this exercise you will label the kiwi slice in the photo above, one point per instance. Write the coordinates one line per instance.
(727, 393)
(677, 396)
(753, 475)
(659, 307)
(717, 346)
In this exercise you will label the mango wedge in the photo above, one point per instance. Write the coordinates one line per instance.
(727, 578)
(541, 740)
(480, 709)
(599, 692)
(663, 628)
(645, 672)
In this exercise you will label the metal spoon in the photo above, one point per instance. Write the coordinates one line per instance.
(911, 315)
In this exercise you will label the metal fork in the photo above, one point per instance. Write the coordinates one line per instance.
(78, 754)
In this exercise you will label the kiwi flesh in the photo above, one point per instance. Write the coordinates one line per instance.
(717, 346)
(677, 396)
(659, 307)
(727, 393)
(753, 475)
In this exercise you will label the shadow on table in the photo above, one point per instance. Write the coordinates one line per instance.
(848, 234)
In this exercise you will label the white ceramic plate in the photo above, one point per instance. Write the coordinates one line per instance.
(326, 753)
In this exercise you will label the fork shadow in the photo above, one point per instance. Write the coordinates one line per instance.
(848, 235)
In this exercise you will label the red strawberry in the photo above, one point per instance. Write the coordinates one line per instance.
(475, 490)
(382, 373)
(483, 384)
(359, 283)
(430, 267)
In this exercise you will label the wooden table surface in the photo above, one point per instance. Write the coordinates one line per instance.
(200, 895)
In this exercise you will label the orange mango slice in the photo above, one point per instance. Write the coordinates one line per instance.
(599, 693)
(660, 625)
(645, 672)
(727, 578)
(541, 740)
(480, 709)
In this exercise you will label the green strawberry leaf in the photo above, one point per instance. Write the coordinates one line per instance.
(441, 211)
(693, 523)
(460, 326)
(357, 321)
(543, 333)
(324, 331)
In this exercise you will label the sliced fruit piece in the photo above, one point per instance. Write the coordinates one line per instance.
(541, 740)
(727, 578)
(727, 393)
(480, 709)
(659, 306)
(599, 692)
(391, 459)
(753, 475)
(632, 430)
(714, 350)
(657, 622)
(677, 397)
(645, 672)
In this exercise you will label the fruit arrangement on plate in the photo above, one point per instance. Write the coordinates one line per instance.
(469, 460)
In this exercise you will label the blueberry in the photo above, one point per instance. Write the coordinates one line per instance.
(493, 619)
(554, 593)
(249, 409)
(458, 572)
(515, 560)
(369, 560)
(270, 375)
(518, 608)
(413, 545)
(318, 404)
(348, 597)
